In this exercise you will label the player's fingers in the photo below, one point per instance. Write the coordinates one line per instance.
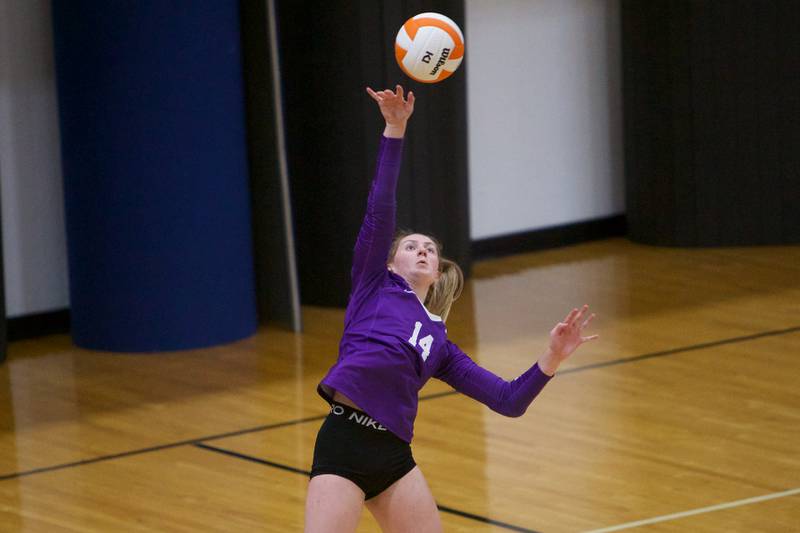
(587, 321)
(579, 315)
(373, 94)
(570, 316)
(411, 99)
(589, 338)
(579, 319)
(399, 91)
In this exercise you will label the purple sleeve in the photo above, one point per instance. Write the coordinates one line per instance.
(377, 230)
(509, 398)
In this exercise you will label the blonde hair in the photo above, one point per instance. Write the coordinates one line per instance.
(447, 288)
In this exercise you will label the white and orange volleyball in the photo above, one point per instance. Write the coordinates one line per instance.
(429, 47)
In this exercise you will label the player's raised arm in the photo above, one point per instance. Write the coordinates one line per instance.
(377, 230)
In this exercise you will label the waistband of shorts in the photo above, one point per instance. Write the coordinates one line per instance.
(356, 416)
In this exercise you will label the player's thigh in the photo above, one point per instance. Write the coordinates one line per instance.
(333, 503)
(406, 506)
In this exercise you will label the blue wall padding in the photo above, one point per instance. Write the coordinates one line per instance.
(155, 173)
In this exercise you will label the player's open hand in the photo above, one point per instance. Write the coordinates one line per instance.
(394, 107)
(565, 338)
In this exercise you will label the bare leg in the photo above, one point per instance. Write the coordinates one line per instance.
(333, 504)
(406, 506)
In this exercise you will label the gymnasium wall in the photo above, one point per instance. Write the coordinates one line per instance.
(34, 239)
(544, 109)
(544, 137)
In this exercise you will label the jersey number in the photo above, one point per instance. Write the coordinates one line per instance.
(425, 342)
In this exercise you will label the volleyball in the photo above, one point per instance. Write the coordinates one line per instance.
(429, 47)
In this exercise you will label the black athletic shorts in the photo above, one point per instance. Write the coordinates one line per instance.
(354, 446)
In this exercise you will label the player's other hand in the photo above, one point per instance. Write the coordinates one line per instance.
(565, 338)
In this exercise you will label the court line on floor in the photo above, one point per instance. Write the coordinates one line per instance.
(161, 447)
(702, 510)
(433, 396)
(294, 470)
(673, 351)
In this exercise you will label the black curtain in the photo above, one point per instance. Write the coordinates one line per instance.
(271, 246)
(712, 121)
(330, 51)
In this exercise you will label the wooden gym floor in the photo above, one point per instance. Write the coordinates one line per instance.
(684, 416)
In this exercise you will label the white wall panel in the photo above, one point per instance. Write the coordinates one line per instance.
(545, 113)
(34, 237)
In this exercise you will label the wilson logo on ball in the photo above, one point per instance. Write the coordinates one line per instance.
(429, 47)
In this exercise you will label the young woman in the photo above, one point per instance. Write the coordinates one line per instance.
(395, 340)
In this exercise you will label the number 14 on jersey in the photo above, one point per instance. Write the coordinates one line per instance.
(425, 342)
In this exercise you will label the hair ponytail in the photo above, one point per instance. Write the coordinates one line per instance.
(446, 290)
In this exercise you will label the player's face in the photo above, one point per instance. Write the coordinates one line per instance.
(417, 259)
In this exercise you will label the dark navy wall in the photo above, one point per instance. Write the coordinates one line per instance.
(155, 173)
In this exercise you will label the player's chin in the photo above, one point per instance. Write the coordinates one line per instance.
(427, 272)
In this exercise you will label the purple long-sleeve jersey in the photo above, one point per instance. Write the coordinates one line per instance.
(391, 343)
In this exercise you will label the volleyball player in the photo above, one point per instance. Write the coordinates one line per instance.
(394, 340)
